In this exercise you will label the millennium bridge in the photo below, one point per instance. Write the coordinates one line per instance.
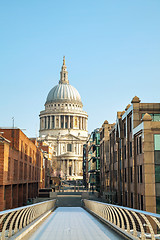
(72, 217)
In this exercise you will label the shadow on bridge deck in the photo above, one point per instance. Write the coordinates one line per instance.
(73, 223)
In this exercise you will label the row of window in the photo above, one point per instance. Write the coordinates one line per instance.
(155, 116)
(139, 174)
(29, 155)
(140, 200)
(62, 105)
(130, 126)
(32, 171)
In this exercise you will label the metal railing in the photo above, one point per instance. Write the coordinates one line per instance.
(133, 223)
(13, 220)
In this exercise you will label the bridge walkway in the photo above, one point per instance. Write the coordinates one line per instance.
(73, 223)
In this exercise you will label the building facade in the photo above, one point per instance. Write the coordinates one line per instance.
(135, 157)
(104, 158)
(20, 169)
(93, 154)
(63, 124)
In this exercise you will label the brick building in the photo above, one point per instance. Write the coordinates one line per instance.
(20, 169)
(135, 157)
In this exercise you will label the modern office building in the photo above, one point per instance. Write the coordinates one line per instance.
(135, 157)
(93, 153)
(20, 169)
(63, 124)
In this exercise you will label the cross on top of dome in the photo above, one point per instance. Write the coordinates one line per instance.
(64, 74)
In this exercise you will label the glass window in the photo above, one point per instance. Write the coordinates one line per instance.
(156, 117)
(69, 147)
(137, 146)
(140, 144)
(131, 175)
(124, 129)
(131, 200)
(125, 175)
(130, 124)
(130, 146)
(157, 173)
(158, 204)
(125, 152)
(157, 142)
(140, 173)
(141, 202)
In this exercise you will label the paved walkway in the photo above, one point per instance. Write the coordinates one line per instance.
(73, 223)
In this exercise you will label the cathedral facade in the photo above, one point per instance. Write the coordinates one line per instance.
(63, 125)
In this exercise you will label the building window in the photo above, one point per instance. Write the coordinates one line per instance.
(125, 175)
(130, 149)
(52, 121)
(138, 201)
(66, 122)
(9, 168)
(131, 174)
(140, 144)
(130, 124)
(45, 123)
(137, 146)
(131, 200)
(62, 121)
(48, 122)
(69, 147)
(126, 198)
(125, 152)
(141, 202)
(157, 173)
(124, 129)
(15, 172)
(140, 173)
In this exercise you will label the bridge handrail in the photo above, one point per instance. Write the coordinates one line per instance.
(132, 222)
(13, 220)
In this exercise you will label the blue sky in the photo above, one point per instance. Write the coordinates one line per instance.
(112, 50)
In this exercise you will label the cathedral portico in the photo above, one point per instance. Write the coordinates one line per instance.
(63, 124)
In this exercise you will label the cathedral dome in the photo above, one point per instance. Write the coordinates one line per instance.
(65, 93)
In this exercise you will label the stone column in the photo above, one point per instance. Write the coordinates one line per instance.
(86, 124)
(73, 172)
(69, 122)
(40, 123)
(58, 148)
(64, 119)
(50, 122)
(53, 122)
(63, 167)
(47, 122)
(67, 167)
(59, 121)
(81, 122)
(43, 121)
(77, 148)
(76, 167)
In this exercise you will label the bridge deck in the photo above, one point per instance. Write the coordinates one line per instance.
(73, 223)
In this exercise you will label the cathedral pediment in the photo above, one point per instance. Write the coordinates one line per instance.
(68, 154)
(69, 137)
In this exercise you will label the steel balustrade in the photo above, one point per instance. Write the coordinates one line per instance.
(13, 220)
(132, 222)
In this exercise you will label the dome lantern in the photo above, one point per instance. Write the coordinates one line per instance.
(64, 73)
(64, 92)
